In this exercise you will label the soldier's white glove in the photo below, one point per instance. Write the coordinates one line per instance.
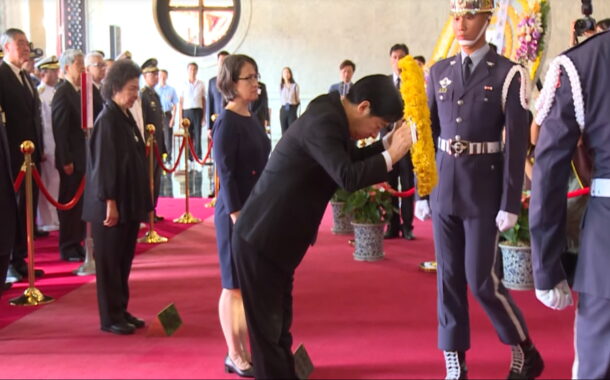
(557, 298)
(422, 210)
(505, 220)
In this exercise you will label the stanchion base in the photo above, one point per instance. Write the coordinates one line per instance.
(428, 266)
(152, 237)
(31, 297)
(211, 203)
(87, 269)
(187, 218)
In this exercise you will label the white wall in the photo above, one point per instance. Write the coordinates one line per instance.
(310, 36)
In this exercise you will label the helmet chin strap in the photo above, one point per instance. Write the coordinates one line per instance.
(472, 42)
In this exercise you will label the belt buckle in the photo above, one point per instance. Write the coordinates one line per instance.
(458, 146)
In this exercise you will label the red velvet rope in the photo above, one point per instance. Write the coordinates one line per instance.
(19, 180)
(59, 206)
(207, 155)
(396, 193)
(160, 159)
(579, 192)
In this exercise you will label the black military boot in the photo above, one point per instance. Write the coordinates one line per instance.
(526, 362)
(455, 362)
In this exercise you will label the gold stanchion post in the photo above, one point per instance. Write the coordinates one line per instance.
(151, 237)
(31, 296)
(186, 218)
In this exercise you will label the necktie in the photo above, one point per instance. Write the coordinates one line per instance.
(398, 83)
(25, 81)
(467, 70)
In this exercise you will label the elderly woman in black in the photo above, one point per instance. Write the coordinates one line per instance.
(116, 195)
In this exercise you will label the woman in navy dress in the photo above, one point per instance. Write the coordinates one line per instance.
(241, 149)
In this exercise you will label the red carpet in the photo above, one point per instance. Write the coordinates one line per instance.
(357, 320)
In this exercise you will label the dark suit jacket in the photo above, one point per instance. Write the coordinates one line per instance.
(216, 102)
(98, 102)
(477, 185)
(152, 112)
(23, 120)
(8, 200)
(116, 168)
(67, 131)
(558, 139)
(315, 157)
(339, 87)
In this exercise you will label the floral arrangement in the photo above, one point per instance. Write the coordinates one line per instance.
(532, 29)
(372, 205)
(416, 111)
(519, 235)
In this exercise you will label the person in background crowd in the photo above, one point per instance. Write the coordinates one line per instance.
(289, 98)
(109, 62)
(347, 69)
(216, 103)
(169, 103)
(96, 68)
(117, 197)
(401, 176)
(8, 205)
(192, 105)
(603, 25)
(479, 189)
(70, 154)
(260, 108)
(241, 149)
(21, 104)
(315, 156)
(30, 65)
(47, 213)
(575, 108)
(153, 114)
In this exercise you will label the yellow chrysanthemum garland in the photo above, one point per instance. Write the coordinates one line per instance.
(416, 111)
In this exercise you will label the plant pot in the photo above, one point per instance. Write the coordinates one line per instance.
(341, 223)
(517, 267)
(368, 241)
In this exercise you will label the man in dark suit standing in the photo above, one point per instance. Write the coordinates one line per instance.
(153, 114)
(8, 205)
(216, 103)
(347, 69)
(479, 188)
(575, 105)
(96, 68)
(21, 104)
(70, 153)
(316, 156)
(403, 169)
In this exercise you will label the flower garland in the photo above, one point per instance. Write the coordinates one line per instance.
(416, 111)
(531, 32)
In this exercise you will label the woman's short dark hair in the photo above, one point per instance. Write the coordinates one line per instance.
(121, 72)
(229, 74)
(379, 90)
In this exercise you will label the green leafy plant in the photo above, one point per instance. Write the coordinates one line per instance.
(372, 205)
(340, 195)
(519, 235)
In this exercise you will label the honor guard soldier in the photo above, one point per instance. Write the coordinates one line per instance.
(474, 97)
(153, 114)
(574, 104)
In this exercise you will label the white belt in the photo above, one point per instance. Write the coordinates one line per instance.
(600, 187)
(457, 147)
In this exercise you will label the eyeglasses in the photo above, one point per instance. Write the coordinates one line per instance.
(251, 78)
(100, 65)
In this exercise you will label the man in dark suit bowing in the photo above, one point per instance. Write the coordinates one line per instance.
(274, 229)
(70, 156)
(21, 104)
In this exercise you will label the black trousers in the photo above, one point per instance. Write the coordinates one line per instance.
(168, 134)
(267, 294)
(20, 249)
(287, 116)
(4, 259)
(402, 171)
(114, 249)
(195, 116)
(71, 226)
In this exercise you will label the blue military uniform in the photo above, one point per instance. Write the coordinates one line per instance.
(575, 103)
(478, 176)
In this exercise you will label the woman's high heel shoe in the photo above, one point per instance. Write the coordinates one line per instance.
(230, 367)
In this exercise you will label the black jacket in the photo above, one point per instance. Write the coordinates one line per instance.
(67, 128)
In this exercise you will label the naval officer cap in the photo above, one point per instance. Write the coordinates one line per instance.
(150, 66)
(462, 7)
(49, 63)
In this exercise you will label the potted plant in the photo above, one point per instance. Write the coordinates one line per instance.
(516, 251)
(341, 221)
(370, 208)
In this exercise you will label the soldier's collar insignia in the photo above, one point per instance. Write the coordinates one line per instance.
(452, 63)
(490, 64)
(445, 82)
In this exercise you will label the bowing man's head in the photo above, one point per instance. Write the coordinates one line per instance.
(372, 103)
